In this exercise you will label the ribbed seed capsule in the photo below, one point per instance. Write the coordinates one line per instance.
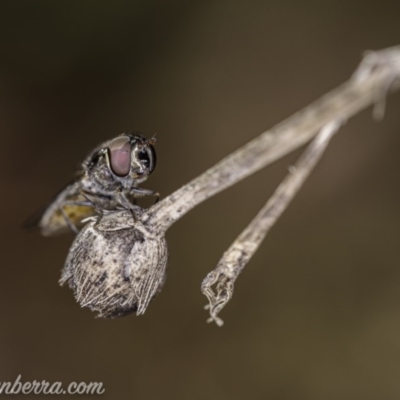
(116, 265)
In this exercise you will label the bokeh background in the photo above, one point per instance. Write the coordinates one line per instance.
(316, 314)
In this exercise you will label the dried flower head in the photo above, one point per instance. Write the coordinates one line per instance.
(116, 264)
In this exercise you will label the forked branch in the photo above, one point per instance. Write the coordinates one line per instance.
(377, 75)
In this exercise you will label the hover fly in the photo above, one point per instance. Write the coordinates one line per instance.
(108, 178)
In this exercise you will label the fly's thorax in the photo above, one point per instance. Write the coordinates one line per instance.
(101, 181)
(115, 265)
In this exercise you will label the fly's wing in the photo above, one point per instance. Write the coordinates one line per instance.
(68, 207)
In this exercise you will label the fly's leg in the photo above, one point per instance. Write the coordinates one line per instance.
(68, 221)
(139, 192)
(124, 201)
(90, 201)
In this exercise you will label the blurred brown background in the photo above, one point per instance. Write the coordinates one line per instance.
(316, 314)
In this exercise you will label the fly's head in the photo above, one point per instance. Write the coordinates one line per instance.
(120, 164)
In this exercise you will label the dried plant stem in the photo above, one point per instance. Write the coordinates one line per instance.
(243, 248)
(377, 75)
(378, 72)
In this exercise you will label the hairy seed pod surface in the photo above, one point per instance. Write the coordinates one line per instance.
(116, 265)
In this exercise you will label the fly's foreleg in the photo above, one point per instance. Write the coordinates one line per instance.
(140, 192)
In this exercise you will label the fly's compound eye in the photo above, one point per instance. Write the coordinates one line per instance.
(119, 152)
(147, 157)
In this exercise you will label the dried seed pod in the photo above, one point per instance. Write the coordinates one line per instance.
(116, 265)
